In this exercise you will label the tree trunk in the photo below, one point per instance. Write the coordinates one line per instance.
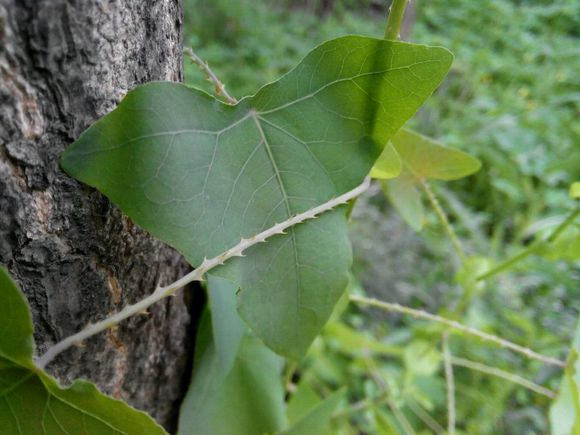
(64, 64)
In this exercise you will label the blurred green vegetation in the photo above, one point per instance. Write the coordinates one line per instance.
(512, 99)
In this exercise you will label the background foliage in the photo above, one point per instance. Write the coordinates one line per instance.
(512, 100)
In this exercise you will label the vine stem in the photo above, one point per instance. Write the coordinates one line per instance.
(532, 386)
(444, 220)
(220, 88)
(450, 382)
(397, 308)
(396, 12)
(197, 274)
(532, 249)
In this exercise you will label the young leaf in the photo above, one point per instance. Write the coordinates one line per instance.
(33, 403)
(565, 411)
(388, 164)
(403, 194)
(575, 190)
(248, 397)
(200, 174)
(426, 158)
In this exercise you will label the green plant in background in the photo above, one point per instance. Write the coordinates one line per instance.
(216, 180)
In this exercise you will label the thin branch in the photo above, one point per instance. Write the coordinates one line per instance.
(220, 88)
(450, 382)
(384, 388)
(516, 379)
(197, 274)
(443, 218)
(424, 416)
(459, 327)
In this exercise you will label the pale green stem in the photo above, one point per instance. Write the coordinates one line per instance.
(450, 382)
(532, 249)
(397, 308)
(425, 417)
(532, 386)
(396, 12)
(443, 218)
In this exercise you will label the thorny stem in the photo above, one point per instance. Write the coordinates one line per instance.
(220, 88)
(197, 274)
(532, 249)
(450, 382)
(396, 12)
(461, 362)
(457, 326)
(444, 220)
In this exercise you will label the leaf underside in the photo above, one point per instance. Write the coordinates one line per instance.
(237, 386)
(200, 174)
(31, 402)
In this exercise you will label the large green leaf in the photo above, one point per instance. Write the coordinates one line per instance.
(31, 402)
(239, 395)
(565, 411)
(201, 174)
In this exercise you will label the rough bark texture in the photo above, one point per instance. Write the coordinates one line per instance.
(64, 64)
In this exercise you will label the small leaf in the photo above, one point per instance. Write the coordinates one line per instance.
(33, 403)
(565, 411)
(200, 174)
(565, 247)
(388, 164)
(355, 343)
(426, 158)
(247, 397)
(405, 197)
(318, 421)
(575, 190)
(422, 358)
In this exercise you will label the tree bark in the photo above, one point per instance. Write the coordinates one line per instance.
(64, 64)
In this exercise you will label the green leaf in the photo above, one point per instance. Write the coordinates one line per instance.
(355, 343)
(565, 411)
(247, 397)
(200, 174)
(575, 190)
(16, 344)
(318, 421)
(388, 164)
(33, 403)
(422, 358)
(228, 328)
(405, 197)
(302, 402)
(565, 247)
(426, 158)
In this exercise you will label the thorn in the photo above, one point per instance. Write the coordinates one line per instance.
(79, 344)
(143, 313)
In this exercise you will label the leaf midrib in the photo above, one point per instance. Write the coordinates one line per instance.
(287, 204)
